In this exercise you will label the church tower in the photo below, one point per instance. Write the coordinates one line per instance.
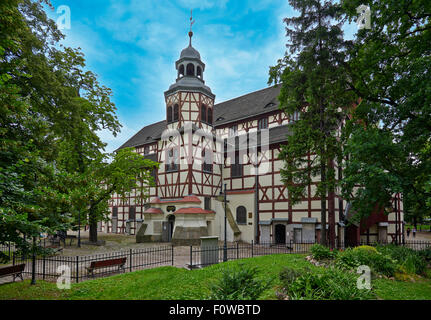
(189, 99)
(187, 148)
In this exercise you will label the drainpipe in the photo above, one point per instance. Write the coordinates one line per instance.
(256, 205)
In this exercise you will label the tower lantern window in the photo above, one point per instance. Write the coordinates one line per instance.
(190, 69)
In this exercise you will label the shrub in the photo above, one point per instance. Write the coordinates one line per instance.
(320, 252)
(366, 249)
(238, 284)
(288, 276)
(426, 254)
(350, 259)
(324, 284)
(410, 260)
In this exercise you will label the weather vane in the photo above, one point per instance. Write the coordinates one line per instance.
(191, 25)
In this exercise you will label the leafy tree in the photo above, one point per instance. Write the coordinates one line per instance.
(30, 200)
(50, 111)
(312, 78)
(389, 136)
(128, 172)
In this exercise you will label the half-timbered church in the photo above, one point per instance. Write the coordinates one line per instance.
(210, 150)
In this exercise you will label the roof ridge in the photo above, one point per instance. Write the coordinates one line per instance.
(247, 94)
(140, 130)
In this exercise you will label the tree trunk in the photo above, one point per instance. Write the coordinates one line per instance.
(93, 227)
(93, 232)
(323, 206)
(331, 211)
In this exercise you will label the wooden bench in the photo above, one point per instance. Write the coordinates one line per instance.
(14, 271)
(120, 262)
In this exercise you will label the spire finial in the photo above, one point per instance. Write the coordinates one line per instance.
(191, 25)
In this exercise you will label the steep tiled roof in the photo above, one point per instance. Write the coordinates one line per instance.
(246, 106)
(193, 210)
(276, 135)
(249, 105)
(186, 199)
(146, 135)
(154, 210)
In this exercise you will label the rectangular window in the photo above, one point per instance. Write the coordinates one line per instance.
(114, 212)
(263, 123)
(132, 212)
(295, 116)
(172, 160)
(207, 161)
(233, 131)
(236, 168)
(176, 113)
(154, 175)
(207, 203)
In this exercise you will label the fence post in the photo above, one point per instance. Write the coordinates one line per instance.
(252, 252)
(237, 250)
(131, 257)
(77, 269)
(43, 267)
(13, 258)
(191, 256)
(172, 254)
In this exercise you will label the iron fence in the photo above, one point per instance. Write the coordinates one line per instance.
(99, 265)
(7, 248)
(200, 257)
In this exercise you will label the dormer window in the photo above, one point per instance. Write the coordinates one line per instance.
(269, 105)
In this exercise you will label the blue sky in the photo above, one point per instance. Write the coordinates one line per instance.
(132, 46)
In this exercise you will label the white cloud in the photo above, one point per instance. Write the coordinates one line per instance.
(155, 32)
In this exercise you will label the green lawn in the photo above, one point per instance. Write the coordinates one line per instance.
(173, 283)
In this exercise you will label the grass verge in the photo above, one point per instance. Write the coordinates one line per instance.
(169, 283)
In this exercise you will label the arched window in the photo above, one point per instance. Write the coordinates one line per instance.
(176, 112)
(190, 69)
(204, 113)
(181, 71)
(241, 215)
(210, 116)
(169, 114)
(199, 72)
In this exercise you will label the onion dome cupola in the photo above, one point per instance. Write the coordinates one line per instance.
(190, 72)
